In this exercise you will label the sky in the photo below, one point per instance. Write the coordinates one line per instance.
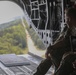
(9, 10)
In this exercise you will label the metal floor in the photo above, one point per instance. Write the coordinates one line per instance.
(23, 69)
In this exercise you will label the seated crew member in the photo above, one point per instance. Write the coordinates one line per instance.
(66, 67)
(60, 47)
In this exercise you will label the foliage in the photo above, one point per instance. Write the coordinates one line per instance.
(13, 39)
(35, 38)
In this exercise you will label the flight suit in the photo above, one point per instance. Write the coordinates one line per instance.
(56, 54)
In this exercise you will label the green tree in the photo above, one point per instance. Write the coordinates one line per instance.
(13, 39)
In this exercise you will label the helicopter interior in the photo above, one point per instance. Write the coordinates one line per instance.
(47, 19)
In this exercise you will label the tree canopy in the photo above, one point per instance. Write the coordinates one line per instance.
(13, 38)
